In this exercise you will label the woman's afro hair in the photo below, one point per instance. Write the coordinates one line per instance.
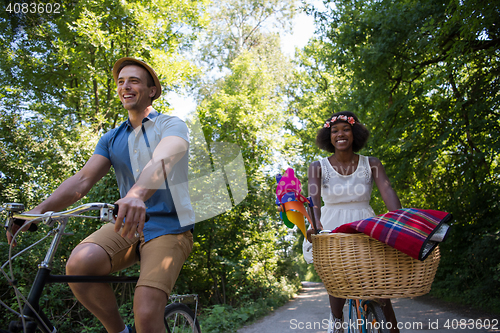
(359, 131)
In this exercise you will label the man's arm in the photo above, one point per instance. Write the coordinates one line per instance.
(77, 186)
(168, 152)
(73, 188)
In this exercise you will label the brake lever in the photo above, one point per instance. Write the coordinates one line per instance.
(107, 215)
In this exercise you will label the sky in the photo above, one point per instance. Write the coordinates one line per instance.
(303, 30)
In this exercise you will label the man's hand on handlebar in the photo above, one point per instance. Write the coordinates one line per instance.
(15, 228)
(10, 236)
(132, 215)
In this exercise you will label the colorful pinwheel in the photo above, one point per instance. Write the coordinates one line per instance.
(290, 201)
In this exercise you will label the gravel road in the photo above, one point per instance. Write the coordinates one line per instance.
(309, 313)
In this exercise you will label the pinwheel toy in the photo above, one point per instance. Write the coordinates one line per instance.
(291, 202)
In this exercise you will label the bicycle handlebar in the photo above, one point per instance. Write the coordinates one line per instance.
(108, 212)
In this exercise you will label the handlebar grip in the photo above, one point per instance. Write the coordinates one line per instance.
(33, 227)
(115, 213)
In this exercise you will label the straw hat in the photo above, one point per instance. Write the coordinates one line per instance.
(142, 63)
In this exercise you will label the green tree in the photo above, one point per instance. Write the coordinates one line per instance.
(242, 255)
(242, 25)
(57, 96)
(237, 252)
(62, 66)
(56, 71)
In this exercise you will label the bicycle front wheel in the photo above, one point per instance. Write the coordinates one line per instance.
(180, 319)
(375, 319)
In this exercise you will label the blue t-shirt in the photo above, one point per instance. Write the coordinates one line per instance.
(130, 150)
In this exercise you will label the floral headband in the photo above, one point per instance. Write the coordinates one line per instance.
(342, 117)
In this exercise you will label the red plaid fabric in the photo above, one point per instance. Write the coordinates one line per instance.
(408, 230)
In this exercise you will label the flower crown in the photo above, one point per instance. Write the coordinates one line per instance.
(342, 117)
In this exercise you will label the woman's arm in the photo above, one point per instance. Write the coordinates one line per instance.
(314, 191)
(389, 196)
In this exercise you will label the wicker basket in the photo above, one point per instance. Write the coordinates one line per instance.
(358, 266)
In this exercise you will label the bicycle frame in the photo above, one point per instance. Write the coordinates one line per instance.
(360, 314)
(32, 316)
(32, 311)
(360, 304)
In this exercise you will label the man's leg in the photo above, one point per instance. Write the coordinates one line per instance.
(161, 262)
(102, 253)
(149, 306)
(98, 298)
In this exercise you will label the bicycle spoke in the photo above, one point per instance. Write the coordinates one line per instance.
(180, 319)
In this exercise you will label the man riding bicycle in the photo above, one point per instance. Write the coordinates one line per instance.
(149, 152)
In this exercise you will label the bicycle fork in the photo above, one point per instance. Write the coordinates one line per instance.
(31, 316)
(360, 314)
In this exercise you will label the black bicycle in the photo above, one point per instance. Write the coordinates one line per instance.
(178, 317)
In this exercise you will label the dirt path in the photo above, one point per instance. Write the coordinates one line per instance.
(309, 313)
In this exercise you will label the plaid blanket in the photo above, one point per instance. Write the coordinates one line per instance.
(408, 230)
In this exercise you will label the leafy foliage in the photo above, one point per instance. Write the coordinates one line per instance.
(236, 251)
(58, 98)
(241, 259)
(61, 67)
(225, 318)
(424, 77)
(238, 26)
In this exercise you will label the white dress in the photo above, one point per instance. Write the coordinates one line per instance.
(346, 198)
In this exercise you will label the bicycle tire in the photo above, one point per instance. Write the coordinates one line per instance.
(353, 325)
(375, 319)
(180, 319)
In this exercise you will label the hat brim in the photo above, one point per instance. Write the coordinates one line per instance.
(142, 63)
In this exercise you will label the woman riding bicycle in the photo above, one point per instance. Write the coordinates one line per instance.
(344, 181)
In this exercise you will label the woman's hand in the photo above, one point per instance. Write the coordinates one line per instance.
(309, 233)
(312, 231)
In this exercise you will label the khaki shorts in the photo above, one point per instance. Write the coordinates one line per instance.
(161, 258)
